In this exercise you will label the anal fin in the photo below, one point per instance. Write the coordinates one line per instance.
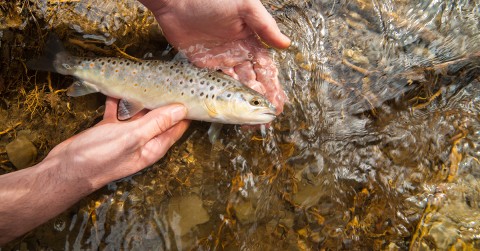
(80, 88)
(128, 109)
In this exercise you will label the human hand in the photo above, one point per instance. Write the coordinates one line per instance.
(114, 149)
(223, 35)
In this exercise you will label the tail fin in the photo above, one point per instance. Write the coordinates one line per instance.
(55, 58)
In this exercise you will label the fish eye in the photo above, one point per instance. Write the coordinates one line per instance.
(255, 102)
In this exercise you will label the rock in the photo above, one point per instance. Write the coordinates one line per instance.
(21, 152)
(184, 213)
(245, 212)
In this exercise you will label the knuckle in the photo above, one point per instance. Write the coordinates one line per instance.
(162, 123)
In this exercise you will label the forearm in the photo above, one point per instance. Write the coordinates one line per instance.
(34, 195)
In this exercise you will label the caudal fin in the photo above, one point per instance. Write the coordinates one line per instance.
(54, 59)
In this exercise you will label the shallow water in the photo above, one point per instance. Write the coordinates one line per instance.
(378, 147)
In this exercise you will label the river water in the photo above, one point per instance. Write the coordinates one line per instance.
(377, 149)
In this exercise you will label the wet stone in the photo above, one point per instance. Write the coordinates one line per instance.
(21, 152)
(184, 213)
(245, 212)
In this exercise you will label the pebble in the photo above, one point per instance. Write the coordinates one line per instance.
(21, 152)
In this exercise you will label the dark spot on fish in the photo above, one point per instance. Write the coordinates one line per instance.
(213, 96)
(177, 70)
(160, 68)
(192, 91)
(201, 94)
(121, 62)
(229, 95)
(208, 83)
(181, 82)
(191, 80)
(103, 63)
(114, 62)
(128, 63)
(182, 94)
(171, 67)
(224, 83)
(148, 64)
(116, 70)
(218, 80)
(202, 82)
(213, 78)
(145, 90)
(211, 88)
(135, 84)
(209, 75)
(109, 60)
(140, 63)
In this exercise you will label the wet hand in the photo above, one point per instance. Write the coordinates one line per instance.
(114, 149)
(223, 35)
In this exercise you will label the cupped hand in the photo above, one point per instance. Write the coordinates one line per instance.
(226, 35)
(114, 149)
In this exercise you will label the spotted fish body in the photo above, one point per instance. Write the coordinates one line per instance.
(208, 96)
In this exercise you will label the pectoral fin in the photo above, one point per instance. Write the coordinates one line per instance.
(80, 88)
(128, 109)
(214, 132)
(211, 109)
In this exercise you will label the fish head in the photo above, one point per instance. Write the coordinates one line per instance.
(245, 107)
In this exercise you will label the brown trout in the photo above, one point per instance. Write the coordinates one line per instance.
(208, 95)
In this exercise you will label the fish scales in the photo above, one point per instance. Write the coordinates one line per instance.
(156, 82)
(208, 95)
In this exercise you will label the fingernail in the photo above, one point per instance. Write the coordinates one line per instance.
(178, 112)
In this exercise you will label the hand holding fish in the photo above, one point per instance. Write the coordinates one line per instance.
(121, 148)
(223, 35)
(84, 163)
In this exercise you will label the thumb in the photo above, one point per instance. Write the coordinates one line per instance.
(159, 120)
(260, 21)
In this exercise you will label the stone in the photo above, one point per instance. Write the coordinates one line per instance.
(184, 213)
(21, 152)
(245, 212)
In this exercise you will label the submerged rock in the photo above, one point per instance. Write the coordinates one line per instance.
(21, 152)
(184, 213)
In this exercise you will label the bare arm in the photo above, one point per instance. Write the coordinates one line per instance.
(84, 163)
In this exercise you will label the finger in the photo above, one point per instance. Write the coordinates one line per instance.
(156, 148)
(267, 74)
(111, 107)
(245, 71)
(260, 21)
(139, 114)
(230, 72)
(158, 121)
(248, 77)
(224, 56)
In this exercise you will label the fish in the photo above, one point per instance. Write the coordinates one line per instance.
(208, 95)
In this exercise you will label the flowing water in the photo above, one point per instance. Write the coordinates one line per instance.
(377, 149)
